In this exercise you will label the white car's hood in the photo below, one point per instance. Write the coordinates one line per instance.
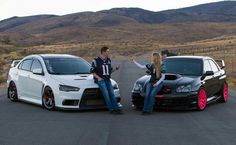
(81, 81)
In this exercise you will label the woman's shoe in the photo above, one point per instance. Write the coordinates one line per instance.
(146, 113)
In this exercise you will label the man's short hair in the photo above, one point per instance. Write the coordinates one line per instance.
(167, 53)
(104, 49)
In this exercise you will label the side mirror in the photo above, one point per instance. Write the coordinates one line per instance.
(38, 71)
(207, 73)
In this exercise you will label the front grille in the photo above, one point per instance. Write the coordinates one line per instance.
(178, 101)
(92, 97)
(70, 102)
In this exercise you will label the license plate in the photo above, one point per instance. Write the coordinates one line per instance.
(94, 102)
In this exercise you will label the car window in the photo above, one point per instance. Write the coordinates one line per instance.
(213, 66)
(184, 66)
(26, 64)
(36, 65)
(207, 66)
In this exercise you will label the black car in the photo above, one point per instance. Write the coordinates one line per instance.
(190, 82)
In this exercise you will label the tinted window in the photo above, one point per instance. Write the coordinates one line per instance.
(26, 64)
(183, 66)
(67, 66)
(36, 65)
(213, 66)
(207, 66)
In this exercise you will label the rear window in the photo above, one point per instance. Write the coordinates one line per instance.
(183, 66)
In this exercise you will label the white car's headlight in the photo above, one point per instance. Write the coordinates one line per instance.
(66, 88)
(137, 87)
(184, 89)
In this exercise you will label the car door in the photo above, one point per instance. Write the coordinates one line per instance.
(217, 84)
(209, 80)
(23, 78)
(36, 81)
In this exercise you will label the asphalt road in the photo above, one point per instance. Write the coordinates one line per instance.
(26, 124)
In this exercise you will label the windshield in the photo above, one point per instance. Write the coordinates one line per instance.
(67, 66)
(183, 66)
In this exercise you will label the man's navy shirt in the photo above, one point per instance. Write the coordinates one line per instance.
(102, 67)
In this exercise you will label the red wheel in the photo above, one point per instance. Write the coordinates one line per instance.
(224, 94)
(202, 99)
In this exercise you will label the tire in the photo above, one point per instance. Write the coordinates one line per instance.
(12, 92)
(202, 99)
(224, 94)
(48, 100)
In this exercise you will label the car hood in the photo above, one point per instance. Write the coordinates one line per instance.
(172, 80)
(181, 80)
(76, 80)
(82, 80)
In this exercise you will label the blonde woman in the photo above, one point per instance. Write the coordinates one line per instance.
(154, 85)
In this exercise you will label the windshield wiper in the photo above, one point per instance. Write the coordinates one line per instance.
(58, 73)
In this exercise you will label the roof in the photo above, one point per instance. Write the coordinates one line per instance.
(190, 57)
(57, 55)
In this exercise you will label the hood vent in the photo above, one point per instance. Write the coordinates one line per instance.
(171, 77)
(79, 79)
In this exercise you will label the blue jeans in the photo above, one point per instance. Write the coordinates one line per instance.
(151, 92)
(108, 93)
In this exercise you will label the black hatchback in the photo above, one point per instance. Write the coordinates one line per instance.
(190, 82)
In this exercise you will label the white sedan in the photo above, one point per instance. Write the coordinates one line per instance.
(56, 81)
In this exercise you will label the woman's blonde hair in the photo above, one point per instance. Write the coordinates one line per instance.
(156, 61)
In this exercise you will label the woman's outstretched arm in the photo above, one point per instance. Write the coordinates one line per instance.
(139, 65)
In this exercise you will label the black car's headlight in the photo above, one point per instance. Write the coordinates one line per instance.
(184, 89)
(137, 87)
(66, 88)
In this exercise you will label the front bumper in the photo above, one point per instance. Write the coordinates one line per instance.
(90, 99)
(170, 101)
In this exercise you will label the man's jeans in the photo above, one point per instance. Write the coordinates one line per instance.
(151, 92)
(108, 93)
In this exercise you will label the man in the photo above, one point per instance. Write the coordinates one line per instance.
(101, 70)
(165, 53)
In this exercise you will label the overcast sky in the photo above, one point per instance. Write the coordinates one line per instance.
(10, 8)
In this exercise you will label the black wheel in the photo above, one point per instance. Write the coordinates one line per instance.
(48, 100)
(224, 94)
(12, 92)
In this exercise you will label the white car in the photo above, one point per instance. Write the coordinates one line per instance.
(56, 81)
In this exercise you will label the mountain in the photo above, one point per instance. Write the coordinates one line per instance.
(122, 23)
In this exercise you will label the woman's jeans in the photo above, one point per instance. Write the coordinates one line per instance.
(108, 93)
(151, 92)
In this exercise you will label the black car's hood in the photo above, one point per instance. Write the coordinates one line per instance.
(172, 80)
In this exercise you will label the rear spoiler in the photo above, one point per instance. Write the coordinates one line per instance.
(221, 63)
(14, 63)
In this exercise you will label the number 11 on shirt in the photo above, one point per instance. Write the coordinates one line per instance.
(105, 69)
